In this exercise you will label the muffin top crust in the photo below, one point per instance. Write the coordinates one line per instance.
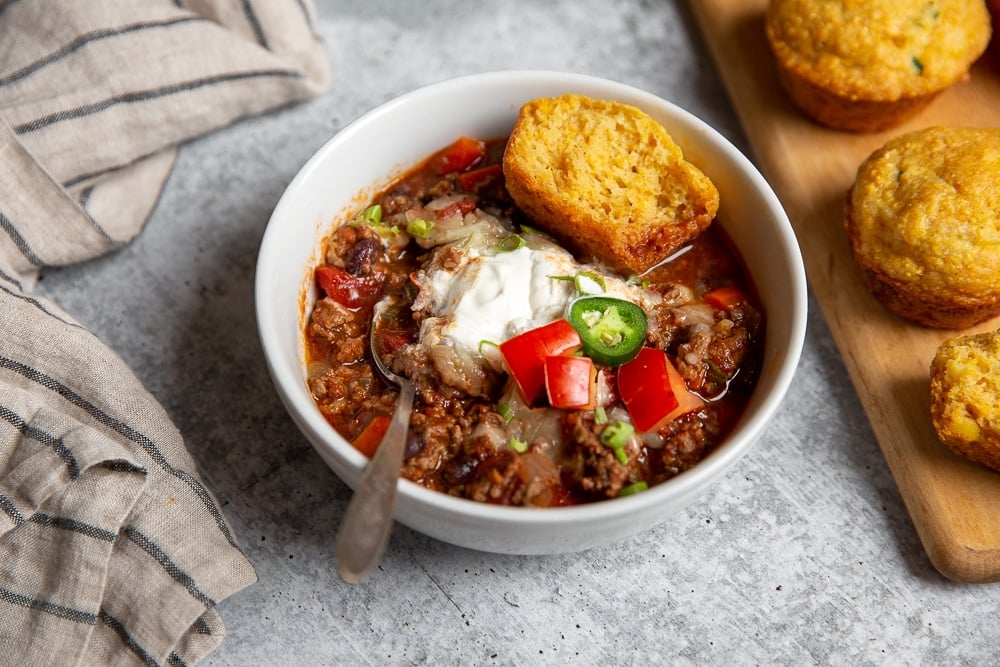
(883, 50)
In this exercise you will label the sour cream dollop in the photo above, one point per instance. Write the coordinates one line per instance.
(493, 296)
(496, 297)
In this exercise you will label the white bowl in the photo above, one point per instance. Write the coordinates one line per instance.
(366, 155)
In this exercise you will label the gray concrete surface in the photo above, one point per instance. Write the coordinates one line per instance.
(803, 554)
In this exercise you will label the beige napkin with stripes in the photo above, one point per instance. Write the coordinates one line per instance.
(112, 549)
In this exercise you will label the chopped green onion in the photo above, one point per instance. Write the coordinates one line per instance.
(600, 415)
(637, 281)
(917, 65)
(511, 243)
(588, 282)
(567, 278)
(518, 445)
(384, 231)
(505, 412)
(527, 229)
(633, 489)
(491, 354)
(617, 433)
(420, 228)
(372, 214)
(715, 373)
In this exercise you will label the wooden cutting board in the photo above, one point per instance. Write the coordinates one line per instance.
(954, 504)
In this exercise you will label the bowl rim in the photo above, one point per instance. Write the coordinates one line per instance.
(744, 434)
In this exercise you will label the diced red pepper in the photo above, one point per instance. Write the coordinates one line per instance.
(461, 206)
(346, 289)
(724, 298)
(459, 156)
(471, 181)
(687, 400)
(571, 382)
(653, 391)
(644, 387)
(393, 336)
(524, 355)
(370, 438)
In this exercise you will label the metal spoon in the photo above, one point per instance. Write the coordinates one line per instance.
(367, 524)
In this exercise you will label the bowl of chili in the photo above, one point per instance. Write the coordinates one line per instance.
(551, 367)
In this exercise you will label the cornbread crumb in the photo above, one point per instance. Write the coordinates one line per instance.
(965, 396)
(923, 221)
(866, 66)
(606, 180)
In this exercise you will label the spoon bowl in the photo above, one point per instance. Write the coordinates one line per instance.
(367, 523)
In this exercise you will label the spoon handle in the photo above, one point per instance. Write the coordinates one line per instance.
(367, 523)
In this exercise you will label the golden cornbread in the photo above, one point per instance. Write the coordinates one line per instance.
(923, 221)
(863, 65)
(965, 396)
(606, 180)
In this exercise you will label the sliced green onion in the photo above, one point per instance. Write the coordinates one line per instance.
(633, 489)
(420, 228)
(637, 281)
(382, 230)
(715, 373)
(917, 65)
(505, 412)
(518, 445)
(511, 243)
(490, 352)
(600, 415)
(567, 278)
(616, 434)
(588, 282)
(372, 214)
(527, 229)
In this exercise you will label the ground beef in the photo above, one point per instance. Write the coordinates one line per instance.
(686, 443)
(663, 327)
(342, 331)
(508, 478)
(398, 201)
(590, 464)
(708, 356)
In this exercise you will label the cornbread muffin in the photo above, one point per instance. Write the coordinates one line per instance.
(923, 221)
(606, 180)
(866, 65)
(965, 396)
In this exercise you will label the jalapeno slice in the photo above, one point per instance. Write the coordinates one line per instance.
(612, 330)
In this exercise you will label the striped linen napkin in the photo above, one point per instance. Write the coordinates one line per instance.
(112, 549)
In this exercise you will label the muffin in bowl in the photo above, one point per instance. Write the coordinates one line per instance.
(867, 66)
(607, 180)
(921, 218)
(367, 156)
